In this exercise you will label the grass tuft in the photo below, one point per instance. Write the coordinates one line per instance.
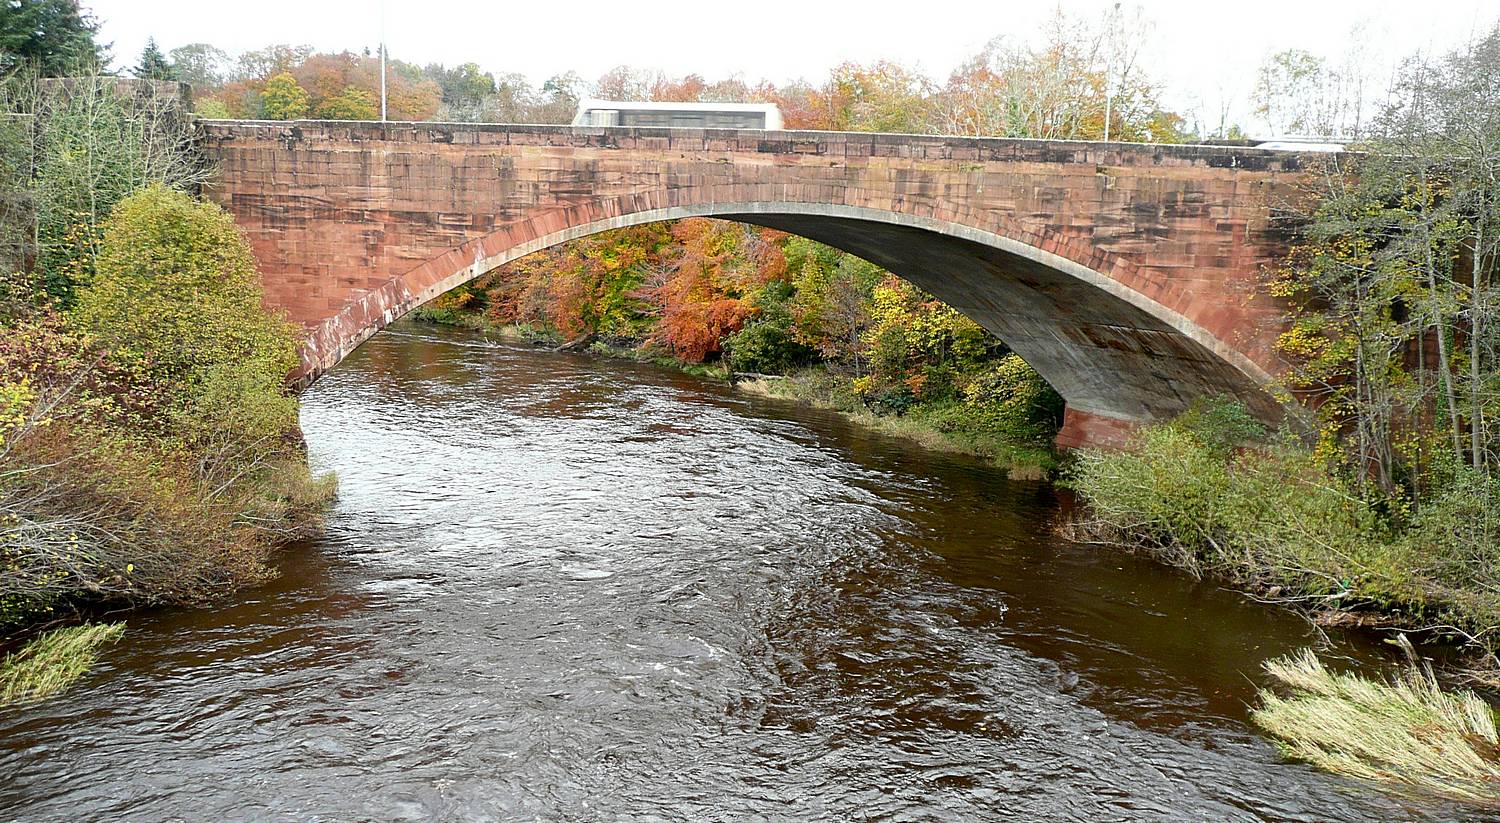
(50, 663)
(1408, 735)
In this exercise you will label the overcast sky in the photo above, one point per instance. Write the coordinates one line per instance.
(1202, 51)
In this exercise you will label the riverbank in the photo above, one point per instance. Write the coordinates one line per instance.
(948, 427)
(951, 425)
(1275, 520)
(150, 452)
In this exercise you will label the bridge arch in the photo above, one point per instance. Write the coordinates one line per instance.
(1118, 356)
(1127, 274)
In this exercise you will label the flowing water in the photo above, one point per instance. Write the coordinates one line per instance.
(564, 588)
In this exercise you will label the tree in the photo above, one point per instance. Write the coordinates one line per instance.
(625, 83)
(154, 65)
(271, 60)
(201, 65)
(1069, 86)
(212, 109)
(177, 297)
(54, 36)
(283, 99)
(92, 148)
(884, 97)
(1398, 267)
(464, 85)
(1298, 92)
(349, 104)
(560, 96)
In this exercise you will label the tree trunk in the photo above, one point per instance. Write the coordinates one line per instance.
(1445, 368)
(1475, 327)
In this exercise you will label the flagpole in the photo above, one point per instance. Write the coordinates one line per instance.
(382, 61)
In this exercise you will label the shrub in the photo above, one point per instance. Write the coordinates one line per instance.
(768, 344)
(83, 513)
(1280, 517)
(157, 462)
(177, 300)
(1454, 543)
(1273, 517)
(1014, 400)
(1222, 424)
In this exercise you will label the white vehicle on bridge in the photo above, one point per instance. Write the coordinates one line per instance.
(1299, 143)
(678, 115)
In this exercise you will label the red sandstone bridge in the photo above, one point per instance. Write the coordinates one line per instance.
(1125, 274)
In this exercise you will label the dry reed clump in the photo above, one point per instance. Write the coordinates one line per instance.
(1408, 735)
(51, 662)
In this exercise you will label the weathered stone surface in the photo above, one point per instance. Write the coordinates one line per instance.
(1124, 273)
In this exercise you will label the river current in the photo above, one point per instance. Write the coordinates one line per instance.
(557, 587)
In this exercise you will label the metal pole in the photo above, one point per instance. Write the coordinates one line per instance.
(382, 61)
(1109, 67)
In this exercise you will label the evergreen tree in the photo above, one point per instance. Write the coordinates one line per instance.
(154, 64)
(55, 36)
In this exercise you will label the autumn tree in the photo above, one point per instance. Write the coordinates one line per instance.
(688, 89)
(283, 99)
(1085, 76)
(349, 104)
(464, 86)
(559, 98)
(262, 64)
(625, 83)
(1301, 93)
(1392, 290)
(699, 307)
(884, 97)
(93, 148)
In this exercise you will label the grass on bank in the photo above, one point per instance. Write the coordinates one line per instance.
(51, 662)
(1408, 735)
(949, 427)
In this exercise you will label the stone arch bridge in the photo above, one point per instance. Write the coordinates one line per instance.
(1126, 274)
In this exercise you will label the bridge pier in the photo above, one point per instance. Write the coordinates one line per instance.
(1082, 429)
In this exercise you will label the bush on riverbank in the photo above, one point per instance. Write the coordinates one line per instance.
(148, 449)
(998, 423)
(1408, 735)
(1277, 518)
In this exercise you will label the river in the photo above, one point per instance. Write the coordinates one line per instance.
(566, 588)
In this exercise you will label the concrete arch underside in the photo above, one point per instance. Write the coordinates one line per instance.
(1118, 357)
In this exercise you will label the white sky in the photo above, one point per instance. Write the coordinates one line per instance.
(1204, 51)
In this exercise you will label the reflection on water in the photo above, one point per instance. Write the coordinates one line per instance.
(563, 588)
